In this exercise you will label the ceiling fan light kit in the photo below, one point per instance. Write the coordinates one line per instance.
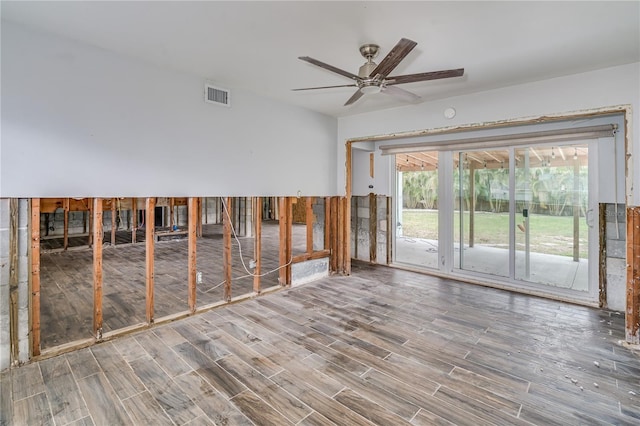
(374, 78)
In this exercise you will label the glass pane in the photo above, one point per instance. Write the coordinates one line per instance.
(551, 208)
(481, 183)
(417, 216)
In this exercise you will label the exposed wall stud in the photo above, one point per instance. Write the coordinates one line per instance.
(373, 228)
(13, 278)
(192, 256)
(602, 269)
(309, 222)
(257, 242)
(113, 221)
(150, 238)
(285, 219)
(35, 276)
(65, 244)
(97, 233)
(226, 257)
(134, 221)
(632, 314)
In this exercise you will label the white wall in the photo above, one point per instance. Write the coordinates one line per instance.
(602, 88)
(79, 121)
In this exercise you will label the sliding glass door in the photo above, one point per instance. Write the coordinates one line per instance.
(553, 216)
(522, 214)
(481, 215)
(417, 209)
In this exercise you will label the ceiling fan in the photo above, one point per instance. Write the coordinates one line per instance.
(374, 78)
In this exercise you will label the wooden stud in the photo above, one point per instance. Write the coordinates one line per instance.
(340, 235)
(602, 269)
(199, 217)
(13, 277)
(282, 247)
(35, 276)
(472, 204)
(285, 219)
(257, 242)
(373, 228)
(355, 230)
(134, 221)
(309, 222)
(327, 223)
(289, 239)
(65, 244)
(226, 258)
(171, 204)
(192, 256)
(91, 220)
(389, 238)
(320, 254)
(97, 233)
(371, 165)
(346, 246)
(347, 212)
(632, 313)
(206, 210)
(150, 243)
(576, 210)
(113, 221)
(334, 235)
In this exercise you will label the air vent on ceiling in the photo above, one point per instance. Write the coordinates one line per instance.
(216, 95)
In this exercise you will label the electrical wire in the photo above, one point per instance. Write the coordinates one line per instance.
(249, 273)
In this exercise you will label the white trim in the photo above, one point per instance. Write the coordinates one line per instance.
(499, 141)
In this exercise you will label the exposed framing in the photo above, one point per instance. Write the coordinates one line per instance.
(632, 314)
(285, 222)
(150, 244)
(13, 278)
(97, 233)
(226, 226)
(35, 276)
(257, 242)
(632, 320)
(192, 223)
(334, 227)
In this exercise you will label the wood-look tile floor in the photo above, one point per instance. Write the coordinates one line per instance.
(382, 346)
(67, 286)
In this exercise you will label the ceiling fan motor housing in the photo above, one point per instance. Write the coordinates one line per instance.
(366, 69)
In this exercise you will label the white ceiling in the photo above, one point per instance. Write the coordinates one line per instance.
(255, 45)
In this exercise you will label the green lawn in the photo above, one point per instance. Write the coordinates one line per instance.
(549, 234)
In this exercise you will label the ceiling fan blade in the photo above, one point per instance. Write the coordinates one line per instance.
(394, 57)
(329, 67)
(325, 87)
(354, 98)
(424, 76)
(400, 93)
